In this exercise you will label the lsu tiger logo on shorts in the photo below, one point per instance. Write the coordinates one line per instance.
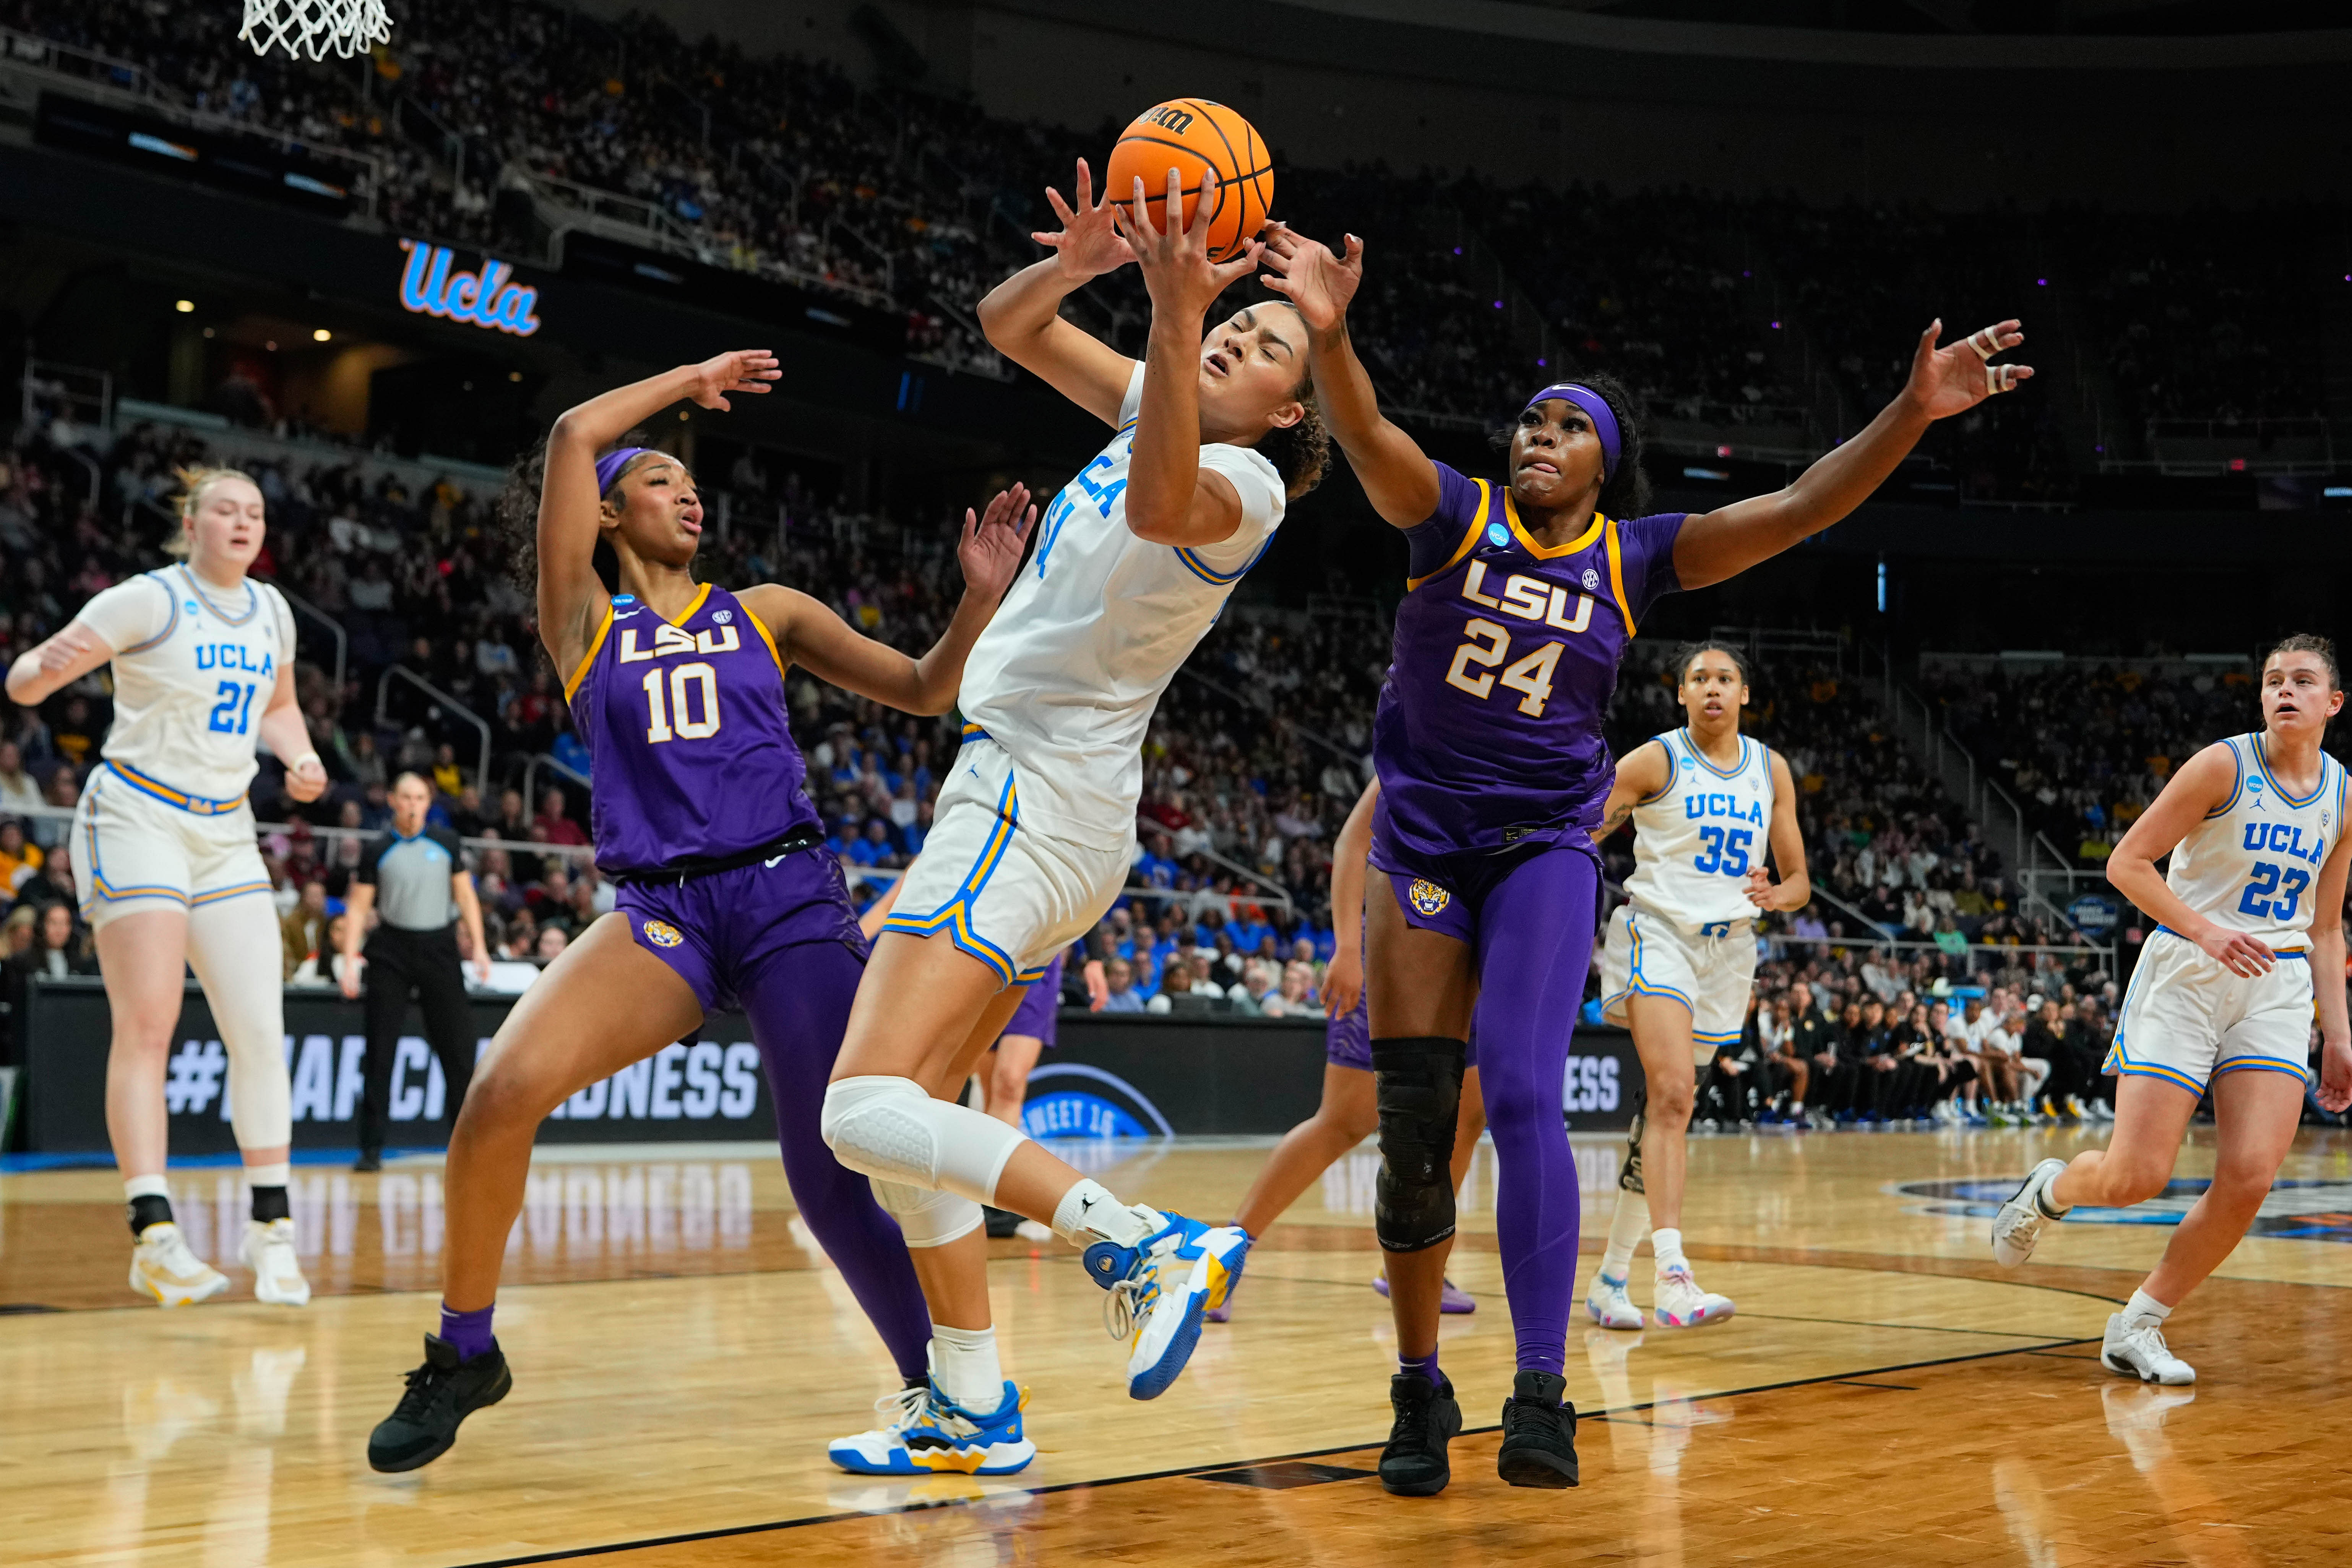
(1428, 897)
(662, 934)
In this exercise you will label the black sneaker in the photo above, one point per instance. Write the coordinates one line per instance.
(369, 1160)
(441, 1393)
(1414, 1464)
(1001, 1222)
(1538, 1433)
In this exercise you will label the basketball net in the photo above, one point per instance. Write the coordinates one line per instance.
(315, 27)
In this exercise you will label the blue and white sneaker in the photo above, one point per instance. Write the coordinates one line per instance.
(1161, 1290)
(930, 1433)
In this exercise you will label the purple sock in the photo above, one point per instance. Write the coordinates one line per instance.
(1426, 1366)
(470, 1331)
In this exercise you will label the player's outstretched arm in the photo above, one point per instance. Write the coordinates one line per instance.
(571, 598)
(1795, 888)
(1944, 381)
(1641, 773)
(1022, 315)
(1171, 498)
(2204, 784)
(1397, 476)
(808, 634)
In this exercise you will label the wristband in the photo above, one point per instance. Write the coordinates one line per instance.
(295, 766)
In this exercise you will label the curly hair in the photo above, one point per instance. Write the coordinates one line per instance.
(1627, 493)
(517, 515)
(1300, 452)
(193, 483)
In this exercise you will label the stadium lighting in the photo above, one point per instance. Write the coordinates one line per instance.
(185, 306)
(320, 335)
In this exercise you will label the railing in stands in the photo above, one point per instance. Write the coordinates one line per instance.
(384, 710)
(334, 628)
(555, 765)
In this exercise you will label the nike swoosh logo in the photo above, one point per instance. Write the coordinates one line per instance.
(772, 864)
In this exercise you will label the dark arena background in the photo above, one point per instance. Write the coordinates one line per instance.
(373, 282)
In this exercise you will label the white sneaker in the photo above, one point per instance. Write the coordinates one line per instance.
(2019, 1224)
(163, 1267)
(1161, 1290)
(2139, 1350)
(1679, 1303)
(1611, 1307)
(268, 1251)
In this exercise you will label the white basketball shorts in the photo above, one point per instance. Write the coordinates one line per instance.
(139, 844)
(1007, 894)
(2186, 1017)
(1710, 972)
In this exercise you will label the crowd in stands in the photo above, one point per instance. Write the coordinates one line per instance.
(1696, 301)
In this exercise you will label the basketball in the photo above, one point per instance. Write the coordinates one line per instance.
(1193, 136)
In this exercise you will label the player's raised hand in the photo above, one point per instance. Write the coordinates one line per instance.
(1177, 270)
(1307, 273)
(1089, 243)
(990, 549)
(1948, 381)
(738, 370)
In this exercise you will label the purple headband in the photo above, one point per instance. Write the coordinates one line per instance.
(1604, 422)
(609, 466)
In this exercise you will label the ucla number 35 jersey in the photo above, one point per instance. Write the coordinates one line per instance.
(1695, 840)
(2253, 864)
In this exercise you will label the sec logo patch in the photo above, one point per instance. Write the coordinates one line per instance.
(662, 934)
(1428, 897)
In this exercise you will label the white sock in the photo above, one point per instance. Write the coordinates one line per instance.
(278, 1174)
(1089, 1212)
(1626, 1229)
(145, 1187)
(2143, 1306)
(964, 1365)
(1796, 1107)
(1667, 1244)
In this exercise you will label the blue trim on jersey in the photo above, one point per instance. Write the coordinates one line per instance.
(2237, 785)
(2254, 745)
(1640, 986)
(170, 626)
(954, 916)
(1700, 757)
(101, 891)
(252, 601)
(216, 894)
(2121, 1064)
(195, 805)
(1210, 574)
(1674, 770)
(2303, 953)
(973, 732)
(2263, 1064)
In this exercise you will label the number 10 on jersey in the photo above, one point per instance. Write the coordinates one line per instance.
(668, 720)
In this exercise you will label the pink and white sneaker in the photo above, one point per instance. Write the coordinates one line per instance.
(1679, 1303)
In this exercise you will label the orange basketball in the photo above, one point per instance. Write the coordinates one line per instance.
(1192, 135)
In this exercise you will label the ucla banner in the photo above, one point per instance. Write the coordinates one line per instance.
(491, 298)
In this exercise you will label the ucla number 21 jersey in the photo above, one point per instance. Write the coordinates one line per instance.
(1696, 840)
(2253, 863)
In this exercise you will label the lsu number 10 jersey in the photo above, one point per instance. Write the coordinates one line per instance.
(2253, 864)
(1685, 930)
(1489, 734)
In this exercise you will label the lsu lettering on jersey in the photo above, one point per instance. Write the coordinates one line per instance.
(1067, 674)
(1488, 733)
(194, 671)
(1696, 840)
(2252, 866)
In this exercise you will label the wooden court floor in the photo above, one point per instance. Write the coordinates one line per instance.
(1885, 1396)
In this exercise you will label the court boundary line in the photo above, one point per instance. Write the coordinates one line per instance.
(726, 1533)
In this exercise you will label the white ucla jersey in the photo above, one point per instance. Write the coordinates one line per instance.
(1695, 840)
(2253, 864)
(194, 671)
(1068, 674)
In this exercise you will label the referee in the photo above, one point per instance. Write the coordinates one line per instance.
(425, 890)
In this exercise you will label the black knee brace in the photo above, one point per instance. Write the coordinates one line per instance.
(1420, 1089)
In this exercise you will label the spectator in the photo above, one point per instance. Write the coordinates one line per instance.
(18, 859)
(304, 927)
(18, 792)
(1120, 975)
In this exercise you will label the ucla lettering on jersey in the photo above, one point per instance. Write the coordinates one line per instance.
(1697, 839)
(2253, 863)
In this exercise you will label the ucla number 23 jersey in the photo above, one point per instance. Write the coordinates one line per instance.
(1696, 840)
(2253, 863)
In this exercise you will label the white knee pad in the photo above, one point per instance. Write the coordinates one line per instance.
(235, 948)
(927, 1219)
(889, 1129)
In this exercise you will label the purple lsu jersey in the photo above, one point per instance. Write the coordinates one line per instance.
(1489, 729)
(687, 727)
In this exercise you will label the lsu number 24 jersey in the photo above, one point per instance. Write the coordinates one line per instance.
(1489, 729)
(2252, 866)
(1695, 840)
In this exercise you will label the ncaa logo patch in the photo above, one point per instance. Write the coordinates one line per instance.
(662, 934)
(1497, 534)
(1428, 897)
(1591, 577)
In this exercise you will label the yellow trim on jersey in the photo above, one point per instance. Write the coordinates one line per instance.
(1738, 768)
(761, 628)
(595, 646)
(2254, 745)
(1550, 552)
(1617, 577)
(195, 805)
(694, 604)
(1469, 536)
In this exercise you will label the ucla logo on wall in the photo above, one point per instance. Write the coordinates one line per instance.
(491, 298)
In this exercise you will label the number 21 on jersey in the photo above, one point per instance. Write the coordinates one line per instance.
(676, 716)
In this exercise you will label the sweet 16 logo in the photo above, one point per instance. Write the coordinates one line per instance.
(490, 297)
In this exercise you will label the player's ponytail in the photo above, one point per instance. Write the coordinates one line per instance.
(194, 484)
